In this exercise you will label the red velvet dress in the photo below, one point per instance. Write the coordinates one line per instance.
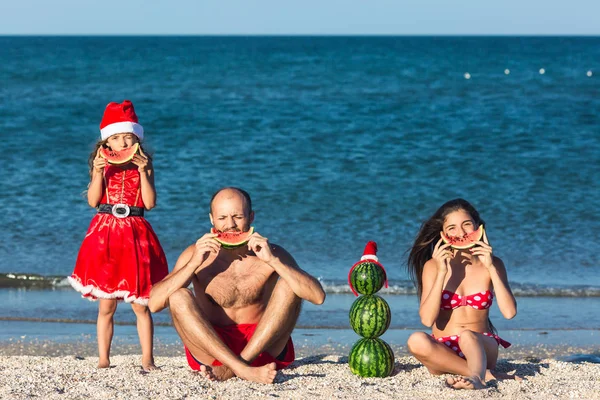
(120, 258)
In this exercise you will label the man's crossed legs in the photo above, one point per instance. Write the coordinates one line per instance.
(267, 343)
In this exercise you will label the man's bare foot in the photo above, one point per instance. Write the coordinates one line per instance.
(104, 363)
(149, 365)
(206, 372)
(500, 376)
(465, 382)
(222, 373)
(264, 374)
(219, 373)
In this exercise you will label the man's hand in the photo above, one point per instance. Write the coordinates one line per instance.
(261, 247)
(203, 247)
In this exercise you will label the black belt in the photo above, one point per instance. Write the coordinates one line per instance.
(121, 210)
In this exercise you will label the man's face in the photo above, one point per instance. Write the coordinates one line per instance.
(230, 213)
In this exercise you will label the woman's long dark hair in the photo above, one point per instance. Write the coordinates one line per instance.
(102, 143)
(428, 236)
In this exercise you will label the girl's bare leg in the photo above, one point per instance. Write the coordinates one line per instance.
(104, 330)
(472, 346)
(439, 359)
(145, 328)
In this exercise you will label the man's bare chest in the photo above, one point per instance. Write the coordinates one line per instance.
(237, 286)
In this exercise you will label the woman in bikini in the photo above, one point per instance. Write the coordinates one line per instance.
(456, 289)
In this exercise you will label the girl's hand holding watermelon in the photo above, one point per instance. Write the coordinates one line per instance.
(143, 163)
(442, 254)
(99, 163)
(260, 246)
(483, 250)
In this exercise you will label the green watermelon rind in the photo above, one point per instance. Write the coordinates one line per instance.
(370, 316)
(367, 278)
(366, 366)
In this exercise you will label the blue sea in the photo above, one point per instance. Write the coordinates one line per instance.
(339, 140)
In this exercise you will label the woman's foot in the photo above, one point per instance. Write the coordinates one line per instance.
(104, 363)
(465, 382)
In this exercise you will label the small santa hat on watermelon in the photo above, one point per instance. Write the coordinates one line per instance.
(369, 255)
(120, 118)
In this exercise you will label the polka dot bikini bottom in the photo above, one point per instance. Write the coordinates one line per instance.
(452, 342)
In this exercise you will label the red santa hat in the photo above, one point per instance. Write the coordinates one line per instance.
(120, 118)
(369, 255)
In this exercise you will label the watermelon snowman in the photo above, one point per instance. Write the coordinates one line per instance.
(370, 317)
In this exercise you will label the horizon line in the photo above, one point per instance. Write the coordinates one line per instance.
(591, 35)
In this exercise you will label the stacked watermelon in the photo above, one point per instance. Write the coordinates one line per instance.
(369, 317)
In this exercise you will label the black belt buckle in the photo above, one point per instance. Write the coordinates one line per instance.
(121, 210)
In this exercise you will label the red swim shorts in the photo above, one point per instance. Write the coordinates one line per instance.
(236, 337)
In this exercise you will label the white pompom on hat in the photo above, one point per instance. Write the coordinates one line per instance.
(120, 118)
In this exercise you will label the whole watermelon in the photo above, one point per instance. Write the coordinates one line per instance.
(367, 278)
(370, 316)
(371, 358)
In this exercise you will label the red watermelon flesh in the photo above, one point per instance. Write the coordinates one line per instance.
(231, 240)
(464, 242)
(121, 156)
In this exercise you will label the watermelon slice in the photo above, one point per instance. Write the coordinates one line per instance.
(232, 240)
(464, 242)
(119, 157)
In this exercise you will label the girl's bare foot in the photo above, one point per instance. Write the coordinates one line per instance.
(149, 366)
(264, 374)
(104, 363)
(465, 382)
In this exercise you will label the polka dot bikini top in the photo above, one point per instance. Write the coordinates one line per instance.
(479, 301)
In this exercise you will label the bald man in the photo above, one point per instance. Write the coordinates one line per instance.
(245, 302)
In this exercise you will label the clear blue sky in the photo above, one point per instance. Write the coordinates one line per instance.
(403, 17)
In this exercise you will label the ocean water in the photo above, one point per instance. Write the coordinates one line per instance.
(339, 140)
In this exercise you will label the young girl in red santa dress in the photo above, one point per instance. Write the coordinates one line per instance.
(120, 257)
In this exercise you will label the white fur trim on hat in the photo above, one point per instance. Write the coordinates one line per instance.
(122, 127)
(369, 257)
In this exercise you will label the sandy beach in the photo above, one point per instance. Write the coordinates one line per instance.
(318, 376)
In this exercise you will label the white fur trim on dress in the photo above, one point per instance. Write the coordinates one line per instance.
(124, 295)
(122, 127)
(369, 257)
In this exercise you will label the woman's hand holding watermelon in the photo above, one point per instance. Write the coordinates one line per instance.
(442, 254)
(143, 163)
(260, 246)
(483, 251)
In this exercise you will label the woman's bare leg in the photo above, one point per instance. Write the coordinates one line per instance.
(472, 345)
(104, 330)
(145, 328)
(439, 359)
